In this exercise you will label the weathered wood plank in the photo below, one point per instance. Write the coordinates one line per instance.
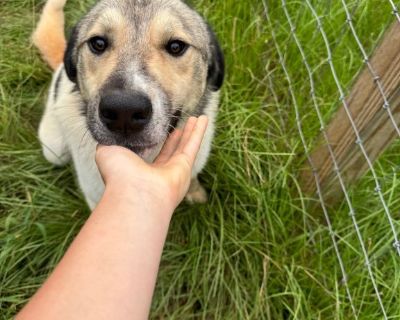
(372, 120)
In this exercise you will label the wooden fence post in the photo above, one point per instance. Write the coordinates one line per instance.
(375, 127)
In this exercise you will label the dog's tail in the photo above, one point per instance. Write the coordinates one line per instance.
(49, 36)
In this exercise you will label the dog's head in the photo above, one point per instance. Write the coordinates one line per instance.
(140, 65)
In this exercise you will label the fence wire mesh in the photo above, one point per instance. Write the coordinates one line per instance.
(295, 30)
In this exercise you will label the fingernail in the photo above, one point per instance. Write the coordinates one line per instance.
(203, 118)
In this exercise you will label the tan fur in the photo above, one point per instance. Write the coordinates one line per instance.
(176, 77)
(95, 77)
(49, 35)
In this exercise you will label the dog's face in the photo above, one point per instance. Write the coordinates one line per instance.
(141, 65)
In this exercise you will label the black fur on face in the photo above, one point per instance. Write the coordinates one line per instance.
(216, 65)
(70, 56)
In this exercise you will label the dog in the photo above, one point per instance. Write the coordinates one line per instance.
(132, 71)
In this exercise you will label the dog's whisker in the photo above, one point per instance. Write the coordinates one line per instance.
(83, 137)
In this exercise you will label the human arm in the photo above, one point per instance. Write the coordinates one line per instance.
(109, 271)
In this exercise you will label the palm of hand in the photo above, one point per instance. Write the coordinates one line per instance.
(168, 178)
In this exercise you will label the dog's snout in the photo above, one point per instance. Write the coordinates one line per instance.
(125, 112)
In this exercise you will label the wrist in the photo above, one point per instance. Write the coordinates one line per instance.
(149, 201)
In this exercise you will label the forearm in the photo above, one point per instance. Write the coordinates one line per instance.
(111, 276)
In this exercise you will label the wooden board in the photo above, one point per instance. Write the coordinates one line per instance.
(372, 120)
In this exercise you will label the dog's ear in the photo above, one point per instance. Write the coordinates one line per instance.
(216, 63)
(70, 55)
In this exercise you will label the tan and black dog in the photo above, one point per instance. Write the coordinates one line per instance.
(132, 71)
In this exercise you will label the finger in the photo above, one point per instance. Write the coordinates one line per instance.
(192, 147)
(100, 149)
(111, 153)
(187, 132)
(170, 146)
(102, 158)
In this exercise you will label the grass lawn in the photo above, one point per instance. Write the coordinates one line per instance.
(255, 251)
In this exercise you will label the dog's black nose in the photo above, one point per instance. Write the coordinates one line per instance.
(125, 112)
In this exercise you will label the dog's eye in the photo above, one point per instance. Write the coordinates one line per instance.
(97, 45)
(176, 48)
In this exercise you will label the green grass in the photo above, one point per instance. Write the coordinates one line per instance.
(255, 251)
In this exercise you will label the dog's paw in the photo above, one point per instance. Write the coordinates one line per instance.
(196, 193)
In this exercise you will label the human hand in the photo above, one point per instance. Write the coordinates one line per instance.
(165, 181)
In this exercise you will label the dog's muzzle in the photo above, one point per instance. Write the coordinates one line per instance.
(125, 112)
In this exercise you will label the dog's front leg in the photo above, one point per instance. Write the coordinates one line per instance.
(55, 149)
(51, 136)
